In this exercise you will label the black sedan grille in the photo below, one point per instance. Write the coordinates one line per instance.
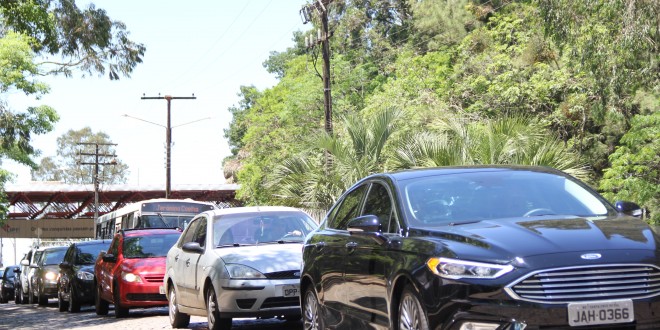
(588, 283)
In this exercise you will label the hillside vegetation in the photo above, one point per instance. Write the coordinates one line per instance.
(562, 83)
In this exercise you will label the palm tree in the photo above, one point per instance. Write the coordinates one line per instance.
(304, 181)
(518, 140)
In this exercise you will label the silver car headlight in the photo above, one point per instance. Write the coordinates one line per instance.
(456, 269)
(237, 271)
(85, 276)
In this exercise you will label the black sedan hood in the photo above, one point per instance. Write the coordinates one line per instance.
(506, 239)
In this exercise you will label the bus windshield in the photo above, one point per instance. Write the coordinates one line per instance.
(164, 221)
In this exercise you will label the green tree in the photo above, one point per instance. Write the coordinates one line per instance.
(74, 147)
(305, 180)
(36, 32)
(84, 39)
(635, 172)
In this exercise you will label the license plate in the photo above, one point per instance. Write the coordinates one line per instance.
(600, 312)
(291, 290)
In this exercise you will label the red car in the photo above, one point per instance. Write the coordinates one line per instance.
(130, 273)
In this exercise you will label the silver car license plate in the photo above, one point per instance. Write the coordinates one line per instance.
(290, 290)
(600, 312)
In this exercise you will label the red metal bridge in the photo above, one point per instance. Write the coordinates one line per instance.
(55, 200)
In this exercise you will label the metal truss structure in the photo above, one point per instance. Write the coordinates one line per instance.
(63, 201)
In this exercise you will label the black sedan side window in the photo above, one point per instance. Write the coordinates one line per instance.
(349, 209)
(379, 204)
(69, 257)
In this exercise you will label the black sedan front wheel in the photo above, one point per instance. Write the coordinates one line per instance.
(411, 313)
(62, 305)
(311, 316)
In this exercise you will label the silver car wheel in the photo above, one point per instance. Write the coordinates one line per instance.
(411, 312)
(311, 311)
(177, 319)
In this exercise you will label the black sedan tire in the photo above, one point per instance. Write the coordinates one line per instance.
(17, 295)
(74, 304)
(42, 300)
(213, 314)
(411, 313)
(310, 310)
(100, 305)
(177, 319)
(61, 304)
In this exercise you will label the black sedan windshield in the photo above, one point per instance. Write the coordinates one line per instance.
(474, 196)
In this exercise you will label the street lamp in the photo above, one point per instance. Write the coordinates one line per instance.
(168, 142)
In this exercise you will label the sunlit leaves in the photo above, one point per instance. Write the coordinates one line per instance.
(635, 171)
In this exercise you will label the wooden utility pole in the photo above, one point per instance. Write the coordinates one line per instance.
(168, 137)
(96, 164)
(321, 8)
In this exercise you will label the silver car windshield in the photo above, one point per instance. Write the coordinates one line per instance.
(261, 227)
(469, 197)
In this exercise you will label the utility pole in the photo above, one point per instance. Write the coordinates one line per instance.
(321, 7)
(96, 164)
(168, 136)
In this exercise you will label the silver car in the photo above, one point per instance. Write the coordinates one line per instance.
(237, 262)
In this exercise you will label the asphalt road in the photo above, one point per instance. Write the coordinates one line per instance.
(48, 317)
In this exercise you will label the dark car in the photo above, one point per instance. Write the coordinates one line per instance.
(43, 284)
(76, 283)
(480, 248)
(131, 273)
(7, 283)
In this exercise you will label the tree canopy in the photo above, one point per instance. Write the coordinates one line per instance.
(76, 151)
(51, 37)
(571, 85)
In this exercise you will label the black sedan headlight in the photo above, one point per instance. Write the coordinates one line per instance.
(457, 269)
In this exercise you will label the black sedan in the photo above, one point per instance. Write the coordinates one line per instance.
(7, 283)
(480, 248)
(75, 286)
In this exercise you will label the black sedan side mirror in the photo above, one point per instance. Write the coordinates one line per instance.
(628, 208)
(367, 225)
(193, 247)
(65, 265)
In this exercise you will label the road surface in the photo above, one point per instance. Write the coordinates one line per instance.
(14, 316)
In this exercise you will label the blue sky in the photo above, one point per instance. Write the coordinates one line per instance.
(209, 48)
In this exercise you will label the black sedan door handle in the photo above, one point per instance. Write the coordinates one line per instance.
(319, 246)
(351, 246)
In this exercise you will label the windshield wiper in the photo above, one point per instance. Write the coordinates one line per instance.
(231, 245)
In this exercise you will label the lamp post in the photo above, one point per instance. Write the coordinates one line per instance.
(168, 142)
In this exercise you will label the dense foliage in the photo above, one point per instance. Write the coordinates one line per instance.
(50, 37)
(567, 84)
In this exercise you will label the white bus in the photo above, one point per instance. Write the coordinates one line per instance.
(152, 213)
